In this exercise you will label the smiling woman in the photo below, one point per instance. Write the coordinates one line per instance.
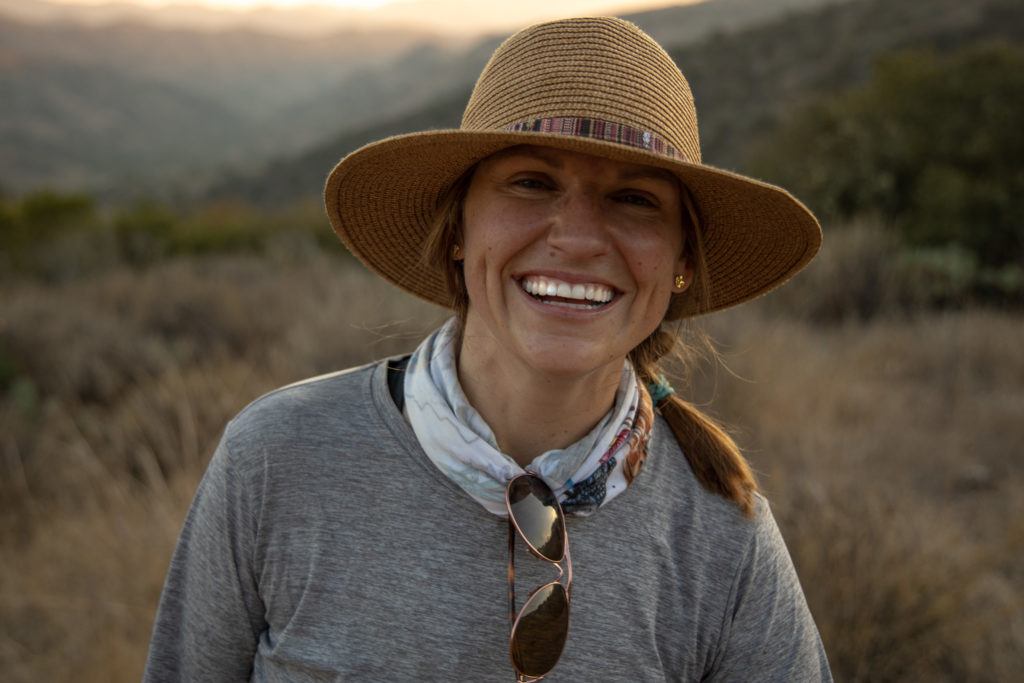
(350, 527)
(558, 222)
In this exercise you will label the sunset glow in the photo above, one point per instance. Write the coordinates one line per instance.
(596, 6)
(445, 15)
(243, 4)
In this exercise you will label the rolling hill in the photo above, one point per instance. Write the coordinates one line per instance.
(127, 109)
(111, 100)
(745, 82)
(89, 107)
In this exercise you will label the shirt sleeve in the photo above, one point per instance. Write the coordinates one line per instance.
(769, 634)
(210, 616)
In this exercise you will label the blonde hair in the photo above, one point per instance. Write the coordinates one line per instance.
(713, 456)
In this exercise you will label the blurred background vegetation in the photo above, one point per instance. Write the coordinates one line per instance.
(880, 395)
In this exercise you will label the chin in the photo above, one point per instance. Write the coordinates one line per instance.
(566, 359)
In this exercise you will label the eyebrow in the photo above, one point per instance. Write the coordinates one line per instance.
(650, 172)
(534, 152)
(637, 173)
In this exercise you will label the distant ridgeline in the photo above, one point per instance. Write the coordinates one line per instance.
(902, 115)
(746, 83)
(129, 110)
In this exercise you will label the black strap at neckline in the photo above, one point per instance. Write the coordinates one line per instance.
(396, 381)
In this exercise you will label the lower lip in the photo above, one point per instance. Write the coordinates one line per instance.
(566, 311)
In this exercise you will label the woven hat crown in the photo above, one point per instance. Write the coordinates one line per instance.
(593, 69)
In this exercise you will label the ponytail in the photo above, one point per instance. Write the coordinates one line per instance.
(714, 457)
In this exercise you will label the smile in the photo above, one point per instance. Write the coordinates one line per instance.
(558, 293)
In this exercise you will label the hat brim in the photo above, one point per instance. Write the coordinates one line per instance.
(381, 197)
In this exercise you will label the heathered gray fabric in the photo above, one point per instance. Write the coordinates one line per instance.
(323, 545)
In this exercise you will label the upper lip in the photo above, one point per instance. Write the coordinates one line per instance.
(570, 278)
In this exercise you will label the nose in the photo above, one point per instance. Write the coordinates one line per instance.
(577, 225)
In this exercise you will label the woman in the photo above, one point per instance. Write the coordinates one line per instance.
(353, 526)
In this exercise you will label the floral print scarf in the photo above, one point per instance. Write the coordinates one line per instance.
(584, 476)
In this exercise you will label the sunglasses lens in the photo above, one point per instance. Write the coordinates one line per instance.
(535, 511)
(540, 632)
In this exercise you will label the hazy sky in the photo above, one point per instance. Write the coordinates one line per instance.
(475, 14)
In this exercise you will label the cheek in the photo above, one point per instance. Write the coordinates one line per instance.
(476, 229)
(494, 238)
(653, 264)
(486, 253)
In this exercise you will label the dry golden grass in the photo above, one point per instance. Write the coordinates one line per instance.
(892, 454)
(891, 451)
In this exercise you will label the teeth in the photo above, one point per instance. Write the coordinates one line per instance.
(542, 286)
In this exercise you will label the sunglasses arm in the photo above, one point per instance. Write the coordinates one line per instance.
(511, 576)
(568, 569)
(520, 678)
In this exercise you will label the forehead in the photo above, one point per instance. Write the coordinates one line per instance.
(561, 159)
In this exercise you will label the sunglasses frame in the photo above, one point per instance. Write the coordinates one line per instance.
(514, 530)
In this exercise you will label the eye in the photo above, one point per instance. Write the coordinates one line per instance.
(640, 199)
(531, 183)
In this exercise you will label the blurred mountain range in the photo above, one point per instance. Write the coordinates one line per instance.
(745, 82)
(299, 21)
(449, 17)
(119, 100)
(130, 104)
(127, 108)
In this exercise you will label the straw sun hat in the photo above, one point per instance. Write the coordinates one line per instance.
(595, 85)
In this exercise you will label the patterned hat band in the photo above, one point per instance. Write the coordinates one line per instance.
(598, 129)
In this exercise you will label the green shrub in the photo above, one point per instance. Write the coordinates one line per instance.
(40, 217)
(931, 145)
(8, 368)
(936, 277)
(1004, 284)
(853, 278)
(32, 228)
(144, 232)
(56, 237)
(45, 215)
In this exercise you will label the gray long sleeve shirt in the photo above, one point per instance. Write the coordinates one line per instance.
(323, 545)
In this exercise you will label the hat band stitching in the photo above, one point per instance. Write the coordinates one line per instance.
(599, 129)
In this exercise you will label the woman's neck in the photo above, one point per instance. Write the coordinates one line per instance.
(532, 412)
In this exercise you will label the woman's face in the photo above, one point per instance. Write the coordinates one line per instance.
(569, 259)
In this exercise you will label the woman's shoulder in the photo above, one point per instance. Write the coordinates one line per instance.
(308, 394)
(310, 411)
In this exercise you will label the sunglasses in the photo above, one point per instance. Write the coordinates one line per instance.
(539, 630)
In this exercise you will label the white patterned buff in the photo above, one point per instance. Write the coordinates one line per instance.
(584, 476)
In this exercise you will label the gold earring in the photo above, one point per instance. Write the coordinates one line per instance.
(456, 252)
(680, 281)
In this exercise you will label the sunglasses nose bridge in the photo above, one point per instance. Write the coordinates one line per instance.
(557, 579)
